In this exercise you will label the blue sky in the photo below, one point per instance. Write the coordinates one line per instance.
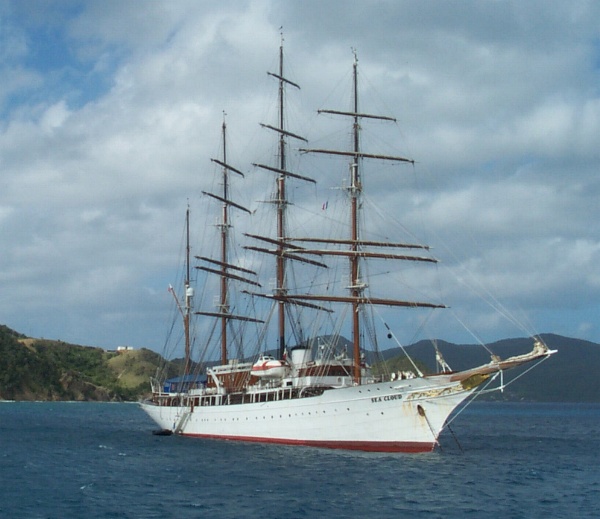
(110, 111)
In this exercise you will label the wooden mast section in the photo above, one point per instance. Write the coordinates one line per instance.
(224, 267)
(189, 294)
(354, 253)
(188, 297)
(281, 201)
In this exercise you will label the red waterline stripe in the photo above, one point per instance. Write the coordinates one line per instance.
(367, 446)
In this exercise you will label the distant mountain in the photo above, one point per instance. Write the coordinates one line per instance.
(39, 369)
(571, 375)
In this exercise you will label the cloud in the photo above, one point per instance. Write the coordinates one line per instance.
(107, 133)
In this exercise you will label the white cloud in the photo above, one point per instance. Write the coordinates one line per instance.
(99, 152)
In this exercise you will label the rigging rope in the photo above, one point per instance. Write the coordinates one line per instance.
(392, 336)
(484, 390)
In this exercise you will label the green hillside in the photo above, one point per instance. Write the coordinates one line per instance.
(39, 369)
(570, 375)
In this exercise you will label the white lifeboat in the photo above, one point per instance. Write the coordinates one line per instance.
(268, 366)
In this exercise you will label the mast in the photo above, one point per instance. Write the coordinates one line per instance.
(356, 287)
(189, 294)
(281, 289)
(186, 309)
(281, 209)
(224, 267)
(224, 307)
(355, 252)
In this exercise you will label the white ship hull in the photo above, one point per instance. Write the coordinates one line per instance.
(401, 416)
(322, 395)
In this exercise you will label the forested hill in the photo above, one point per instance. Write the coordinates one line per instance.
(39, 369)
(570, 375)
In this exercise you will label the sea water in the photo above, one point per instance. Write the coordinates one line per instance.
(97, 460)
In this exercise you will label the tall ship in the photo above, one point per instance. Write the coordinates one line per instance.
(288, 383)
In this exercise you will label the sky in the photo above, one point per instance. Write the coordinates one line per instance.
(111, 110)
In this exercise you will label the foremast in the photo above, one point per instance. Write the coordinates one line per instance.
(356, 245)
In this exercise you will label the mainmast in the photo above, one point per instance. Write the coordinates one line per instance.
(281, 201)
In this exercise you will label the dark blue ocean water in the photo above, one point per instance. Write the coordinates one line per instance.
(63, 460)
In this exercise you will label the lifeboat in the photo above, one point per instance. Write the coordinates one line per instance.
(268, 366)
